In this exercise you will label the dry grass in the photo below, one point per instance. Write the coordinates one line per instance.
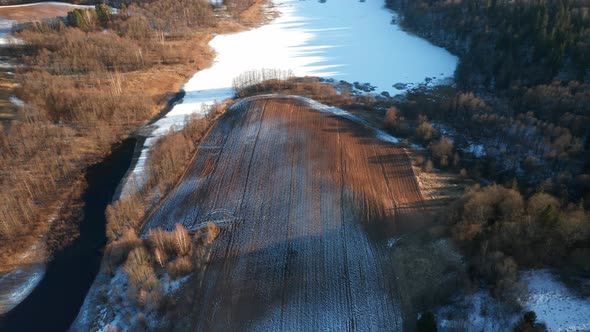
(255, 14)
(28, 207)
(179, 267)
(116, 252)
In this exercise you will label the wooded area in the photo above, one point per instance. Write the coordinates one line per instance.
(523, 99)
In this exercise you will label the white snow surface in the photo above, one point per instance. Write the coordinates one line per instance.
(478, 150)
(17, 102)
(347, 40)
(555, 305)
(16, 285)
(5, 37)
(476, 312)
(22, 283)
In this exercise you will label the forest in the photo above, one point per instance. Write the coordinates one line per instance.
(522, 86)
(517, 121)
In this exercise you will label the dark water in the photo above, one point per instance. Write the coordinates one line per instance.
(55, 303)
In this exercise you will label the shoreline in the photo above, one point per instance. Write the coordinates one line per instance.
(176, 79)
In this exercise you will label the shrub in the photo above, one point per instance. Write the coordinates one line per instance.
(138, 266)
(442, 151)
(425, 132)
(212, 231)
(116, 252)
(391, 116)
(163, 241)
(182, 241)
(428, 166)
(179, 267)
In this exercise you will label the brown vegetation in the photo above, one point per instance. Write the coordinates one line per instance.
(86, 88)
(152, 262)
(500, 230)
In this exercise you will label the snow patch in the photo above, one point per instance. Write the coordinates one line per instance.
(478, 150)
(5, 33)
(17, 102)
(555, 304)
(476, 312)
(21, 283)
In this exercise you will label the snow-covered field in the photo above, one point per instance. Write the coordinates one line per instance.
(5, 28)
(555, 305)
(347, 40)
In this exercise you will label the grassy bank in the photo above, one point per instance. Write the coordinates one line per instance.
(89, 81)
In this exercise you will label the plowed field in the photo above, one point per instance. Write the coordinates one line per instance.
(308, 200)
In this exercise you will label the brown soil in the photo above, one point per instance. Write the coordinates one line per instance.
(309, 200)
(35, 12)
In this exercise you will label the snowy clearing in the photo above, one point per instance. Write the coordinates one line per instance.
(555, 304)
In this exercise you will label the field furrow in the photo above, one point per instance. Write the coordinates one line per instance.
(306, 200)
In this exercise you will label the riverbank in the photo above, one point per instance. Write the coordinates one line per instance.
(156, 84)
(71, 270)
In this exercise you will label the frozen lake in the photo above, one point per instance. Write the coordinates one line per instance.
(347, 40)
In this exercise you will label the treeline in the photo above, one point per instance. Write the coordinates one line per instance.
(150, 264)
(551, 154)
(87, 81)
(523, 80)
(506, 42)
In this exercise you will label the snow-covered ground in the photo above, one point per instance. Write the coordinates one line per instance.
(555, 305)
(347, 40)
(476, 312)
(5, 28)
(16, 285)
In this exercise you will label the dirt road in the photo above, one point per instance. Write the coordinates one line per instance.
(309, 200)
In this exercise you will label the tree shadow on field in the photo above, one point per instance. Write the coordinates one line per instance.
(364, 134)
(293, 284)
